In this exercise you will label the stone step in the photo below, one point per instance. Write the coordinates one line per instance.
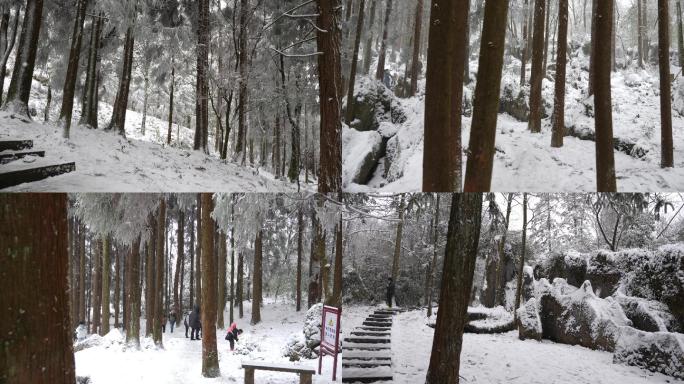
(368, 333)
(12, 156)
(366, 358)
(361, 354)
(15, 145)
(372, 340)
(377, 323)
(367, 346)
(365, 365)
(367, 375)
(29, 175)
(370, 328)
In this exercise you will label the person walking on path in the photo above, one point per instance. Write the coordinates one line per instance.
(390, 292)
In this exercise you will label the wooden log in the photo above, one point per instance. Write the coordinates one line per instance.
(11, 179)
(249, 375)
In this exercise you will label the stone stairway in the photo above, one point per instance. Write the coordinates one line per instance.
(367, 352)
(20, 164)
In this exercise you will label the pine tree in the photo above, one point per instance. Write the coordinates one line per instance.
(457, 278)
(37, 340)
(202, 102)
(486, 105)
(180, 262)
(415, 60)
(354, 63)
(106, 268)
(158, 280)
(221, 278)
(133, 294)
(96, 287)
(118, 122)
(521, 265)
(300, 232)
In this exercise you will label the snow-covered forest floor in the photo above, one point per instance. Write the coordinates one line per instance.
(106, 162)
(501, 358)
(525, 161)
(181, 359)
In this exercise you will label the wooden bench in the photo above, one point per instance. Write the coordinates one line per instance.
(305, 373)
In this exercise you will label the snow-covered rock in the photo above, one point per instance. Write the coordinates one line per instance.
(656, 351)
(646, 315)
(603, 273)
(374, 103)
(529, 322)
(361, 153)
(580, 317)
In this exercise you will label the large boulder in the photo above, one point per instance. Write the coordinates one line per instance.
(571, 266)
(514, 101)
(529, 322)
(374, 103)
(312, 326)
(578, 316)
(656, 351)
(603, 273)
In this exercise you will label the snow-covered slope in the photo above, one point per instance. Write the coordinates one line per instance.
(106, 162)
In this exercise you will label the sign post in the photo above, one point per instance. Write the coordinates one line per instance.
(330, 337)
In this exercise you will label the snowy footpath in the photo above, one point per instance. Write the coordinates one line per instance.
(502, 358)
(180, 361)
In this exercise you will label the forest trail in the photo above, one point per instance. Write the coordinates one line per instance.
(366, 354)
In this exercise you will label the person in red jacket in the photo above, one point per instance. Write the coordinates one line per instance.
(232, 335)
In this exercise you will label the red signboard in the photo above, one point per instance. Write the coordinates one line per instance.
(330, 337)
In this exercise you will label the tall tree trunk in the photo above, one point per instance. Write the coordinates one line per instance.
(646, 41)
(221, 279)
(9, 39)
(117, 286)
(561, 64)
(329, 75)
(180, 262)
(22, 76)
(680, 34)
(257, 281)
(150, 297)
(537, 75)
(106, 265)
(640, 35)
(605, 160)
(210, 362)
(415, 60)
(442, 168)
(160, 265)
(240, 284)
(242, 83)
(133, 293)
(300, 232)
(547, 36)
(89, 101)
(37, 336)
(96, 288)
(380, 73)
(396, 259)
(667, 151)
(191, 246)
(82, 274)
(457, 280)
(525, 47)
(198, 252)
(486, 104)
(521, 266)
(202, 101)
(71, 77)
(171, 90)
(354, 64)
(592, 58)
(433, 263)
(232, 259)
(118, 122)
(336, 298)
(368, 46)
